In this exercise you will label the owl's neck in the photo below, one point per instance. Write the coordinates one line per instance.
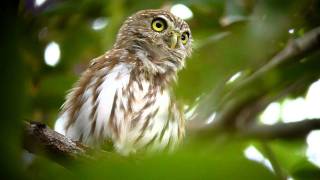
(154, 59)
(158, 73)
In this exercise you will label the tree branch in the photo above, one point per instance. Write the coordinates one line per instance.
(274, 162)
(282, 130)
(237, 98)
(294, 51)
(39, 138)
(252, 89)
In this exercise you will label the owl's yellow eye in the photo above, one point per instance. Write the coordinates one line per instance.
(159, 24)
(184, 37)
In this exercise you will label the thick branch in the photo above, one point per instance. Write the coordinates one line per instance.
(282, 130)
(39, 138)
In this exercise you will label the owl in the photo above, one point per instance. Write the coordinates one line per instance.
(125, 96)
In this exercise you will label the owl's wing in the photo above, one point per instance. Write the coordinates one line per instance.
(88, 107)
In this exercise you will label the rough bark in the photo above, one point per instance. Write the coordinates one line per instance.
(39, 138)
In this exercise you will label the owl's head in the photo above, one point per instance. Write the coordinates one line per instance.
(160, 39)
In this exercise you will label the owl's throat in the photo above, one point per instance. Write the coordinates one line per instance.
(155, 58)
(157, 63)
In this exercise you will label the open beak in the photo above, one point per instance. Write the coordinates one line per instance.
(174, 39)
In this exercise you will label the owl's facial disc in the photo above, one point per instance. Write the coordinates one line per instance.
(175, 37)
(163, 38)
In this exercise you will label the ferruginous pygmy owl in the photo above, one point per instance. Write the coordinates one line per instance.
(124, 96)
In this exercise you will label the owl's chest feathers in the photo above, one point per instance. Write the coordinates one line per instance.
(129, 106)
(142, 112)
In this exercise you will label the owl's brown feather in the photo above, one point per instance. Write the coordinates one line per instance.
(124, 95)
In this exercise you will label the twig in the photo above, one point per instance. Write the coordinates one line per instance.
(273, 160)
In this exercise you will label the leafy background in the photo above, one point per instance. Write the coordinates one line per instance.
(229, 36)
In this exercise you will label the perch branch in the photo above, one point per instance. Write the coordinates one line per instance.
(39, 138)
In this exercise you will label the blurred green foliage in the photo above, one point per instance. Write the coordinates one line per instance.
(229, 36)
(195, 162)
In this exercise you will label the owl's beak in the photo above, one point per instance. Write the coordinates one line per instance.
(174, 39)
